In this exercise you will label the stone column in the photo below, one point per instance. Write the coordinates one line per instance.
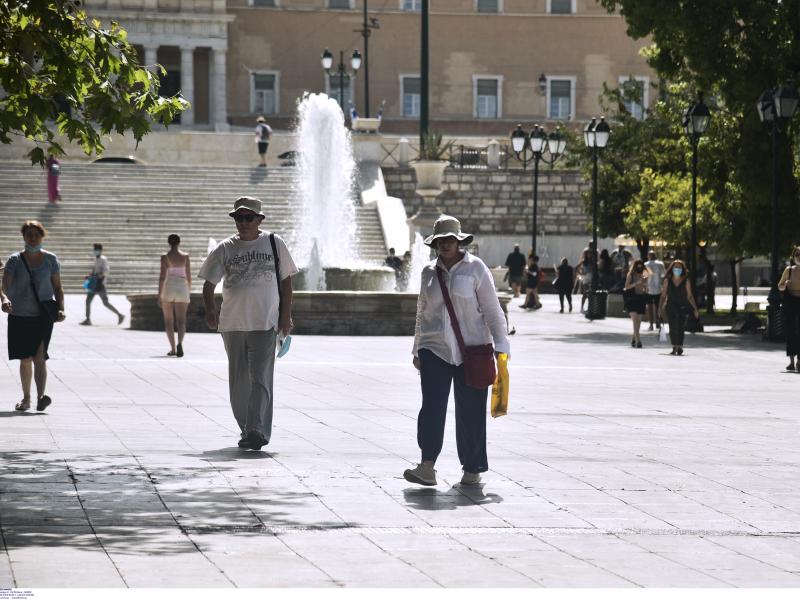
(493, 155)
(218, 88)
(187, 84)
(150, 55)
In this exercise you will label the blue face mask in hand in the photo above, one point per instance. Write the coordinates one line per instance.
(677, 271)
(37, 248)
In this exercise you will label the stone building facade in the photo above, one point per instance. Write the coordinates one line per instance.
(492, 62)
(190, 39)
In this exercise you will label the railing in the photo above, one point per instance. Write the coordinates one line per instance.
(461, 156)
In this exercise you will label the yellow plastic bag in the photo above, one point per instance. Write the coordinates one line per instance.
(500, 387)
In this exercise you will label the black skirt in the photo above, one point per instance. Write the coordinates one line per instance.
(26, 334)
(635, 303)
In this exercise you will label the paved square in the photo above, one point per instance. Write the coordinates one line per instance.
(614, 467)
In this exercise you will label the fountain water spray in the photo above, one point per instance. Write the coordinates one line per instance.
(325, 184)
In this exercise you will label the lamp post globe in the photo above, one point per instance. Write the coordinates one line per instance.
(518, 139)
(355, 60)
(327, 60)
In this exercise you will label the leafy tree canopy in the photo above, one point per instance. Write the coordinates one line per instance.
(63, 73)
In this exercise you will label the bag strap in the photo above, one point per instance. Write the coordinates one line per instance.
(451, 311)
(277, 269)
(33, 285)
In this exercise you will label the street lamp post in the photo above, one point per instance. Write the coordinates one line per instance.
(595, 136)
(327, 62)
(775, 108)
(695, 122)
(541, 147)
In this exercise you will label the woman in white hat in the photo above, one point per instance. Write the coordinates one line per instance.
(437, 350)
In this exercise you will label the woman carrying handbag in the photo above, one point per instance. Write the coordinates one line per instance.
(35, 300)
(460, 327)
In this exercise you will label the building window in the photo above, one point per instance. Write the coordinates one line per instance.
(635, 95)
(340, 4)
(410, 91)
(488, 6)
(488, 99)
(561, 98)
(411, 5)
(561, 7)
(334, 80)
(264, 93)
(269, 3)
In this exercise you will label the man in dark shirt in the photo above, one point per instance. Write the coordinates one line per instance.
(516, 269)
(396, 263)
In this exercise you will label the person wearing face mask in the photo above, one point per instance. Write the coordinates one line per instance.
(459, 284)
(31, 288)
(677, 297)
(789, 284)
(635, 293)
(97, 286)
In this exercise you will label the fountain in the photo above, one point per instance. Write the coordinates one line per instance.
(325, 242)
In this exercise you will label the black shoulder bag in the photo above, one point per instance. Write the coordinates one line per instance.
(277, 271)
(48, 308)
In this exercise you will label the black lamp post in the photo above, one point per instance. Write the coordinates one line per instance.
(327, 63)
(695, 122)
(775, 108)
(541, 147)
(595, 136)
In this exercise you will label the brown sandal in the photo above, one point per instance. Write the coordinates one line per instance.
(22, 405)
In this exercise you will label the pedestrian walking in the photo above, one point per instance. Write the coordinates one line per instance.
(515, 262)
(676, 295)
(564, 283)
(263, 135)
(256, 269)
(96, 286)
(583, 282)
(532, 274)
(789, 285)
(174, 285)
(53, 168)
(654, 283)
(33, 299)
(457, 309)
(635, 296)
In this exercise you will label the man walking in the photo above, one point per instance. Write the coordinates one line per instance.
(257, 271)
(516, 269)
(97, 286)
(263, 135)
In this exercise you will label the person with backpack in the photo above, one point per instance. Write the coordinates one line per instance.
(256, 269)
(263, 135)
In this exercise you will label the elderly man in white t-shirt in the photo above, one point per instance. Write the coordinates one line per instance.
(256, 304)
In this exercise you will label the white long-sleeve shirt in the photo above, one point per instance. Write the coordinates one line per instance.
(475, 303)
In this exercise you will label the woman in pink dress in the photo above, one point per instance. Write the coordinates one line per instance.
(53, 171)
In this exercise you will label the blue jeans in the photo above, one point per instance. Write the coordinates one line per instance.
(436, 377)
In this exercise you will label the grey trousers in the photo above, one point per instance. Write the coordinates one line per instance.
(251, 363)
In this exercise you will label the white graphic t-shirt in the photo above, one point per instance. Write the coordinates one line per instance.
(249, 289)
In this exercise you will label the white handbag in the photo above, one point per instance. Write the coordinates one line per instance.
(663, 334)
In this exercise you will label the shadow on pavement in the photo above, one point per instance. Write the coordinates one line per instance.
(457, 496)
(233, 453)
(19, 413)
(79, 501)
(720, 341)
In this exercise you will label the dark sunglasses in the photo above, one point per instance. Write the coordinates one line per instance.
(242, 218)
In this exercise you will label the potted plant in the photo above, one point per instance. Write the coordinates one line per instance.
(433, 158)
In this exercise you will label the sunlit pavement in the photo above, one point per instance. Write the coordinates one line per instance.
(614, 467)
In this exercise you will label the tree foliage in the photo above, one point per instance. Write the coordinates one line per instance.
(63, 73)
(733, 50)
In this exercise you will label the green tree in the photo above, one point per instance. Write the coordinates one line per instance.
(737, 49)
(63, 73)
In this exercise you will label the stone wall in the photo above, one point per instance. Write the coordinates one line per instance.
(493, 202)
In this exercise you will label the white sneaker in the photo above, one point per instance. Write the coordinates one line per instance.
(423, 475)
(470, 478)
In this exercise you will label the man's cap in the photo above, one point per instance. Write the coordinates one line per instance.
(247, 203)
